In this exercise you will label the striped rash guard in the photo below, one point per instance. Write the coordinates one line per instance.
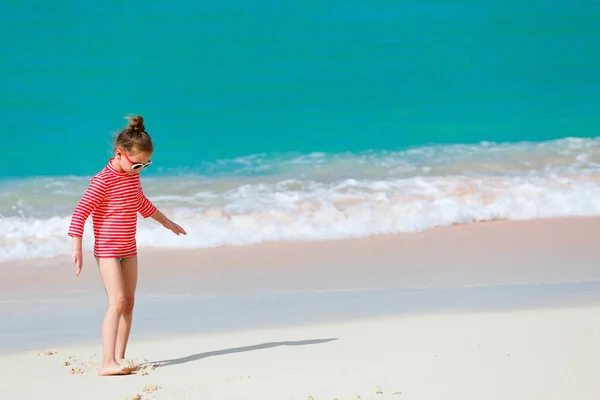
(113, 198)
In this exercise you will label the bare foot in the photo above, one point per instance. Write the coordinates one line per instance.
(109, 369)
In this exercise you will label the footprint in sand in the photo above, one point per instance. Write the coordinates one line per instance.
(151, 388)
(71, 361)
(46, 353)
(75, 371)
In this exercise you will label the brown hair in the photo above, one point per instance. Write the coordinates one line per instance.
(134, 137)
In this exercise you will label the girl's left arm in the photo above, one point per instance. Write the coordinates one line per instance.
(167, 223)
(147, 209)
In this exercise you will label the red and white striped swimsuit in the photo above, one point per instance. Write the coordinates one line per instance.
(113, 198)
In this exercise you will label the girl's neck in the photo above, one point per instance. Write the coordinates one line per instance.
(115, 164)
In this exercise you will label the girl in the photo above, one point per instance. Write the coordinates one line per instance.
(114, 198)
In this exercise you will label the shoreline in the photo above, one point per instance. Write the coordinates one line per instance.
(585, 220)
(417, 258)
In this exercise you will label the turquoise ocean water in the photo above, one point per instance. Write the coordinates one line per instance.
(310, 120)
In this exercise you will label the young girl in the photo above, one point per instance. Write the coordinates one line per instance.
(114, 198)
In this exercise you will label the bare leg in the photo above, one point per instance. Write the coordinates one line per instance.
(129, 268)
(112, 277)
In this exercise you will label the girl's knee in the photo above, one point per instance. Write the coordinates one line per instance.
(117, 303)
(129, 303)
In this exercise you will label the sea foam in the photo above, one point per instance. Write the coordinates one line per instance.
(320, 197)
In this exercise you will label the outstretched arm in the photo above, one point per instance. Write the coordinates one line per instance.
(147, 209)
(167, 223)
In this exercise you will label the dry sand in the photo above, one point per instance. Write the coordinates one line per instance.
(542, 354)
(506, 310)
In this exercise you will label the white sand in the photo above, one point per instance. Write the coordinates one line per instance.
(535, 354)
(507, 310)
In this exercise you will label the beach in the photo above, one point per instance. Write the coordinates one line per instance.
(497, 310)
(382, 200)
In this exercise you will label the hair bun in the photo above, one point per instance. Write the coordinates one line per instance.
(136, 123)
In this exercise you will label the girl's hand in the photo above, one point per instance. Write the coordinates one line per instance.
(77, 260)
(174, 227)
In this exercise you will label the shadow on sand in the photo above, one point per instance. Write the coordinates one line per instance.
(263, 346)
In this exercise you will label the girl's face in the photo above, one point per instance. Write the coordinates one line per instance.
(132, 162)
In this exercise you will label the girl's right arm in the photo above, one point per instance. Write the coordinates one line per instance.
(77, 254)
(90, 200)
